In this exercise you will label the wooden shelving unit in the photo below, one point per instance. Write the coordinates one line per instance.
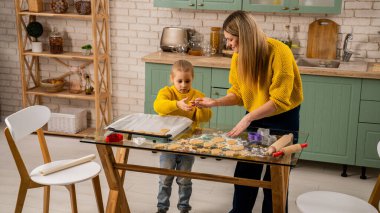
(29, 62)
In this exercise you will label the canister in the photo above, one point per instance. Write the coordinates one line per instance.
(214, 40)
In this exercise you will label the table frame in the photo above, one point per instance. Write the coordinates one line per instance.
(115, 168)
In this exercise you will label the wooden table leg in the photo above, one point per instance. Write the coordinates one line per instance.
(117, 201)
(279, 180)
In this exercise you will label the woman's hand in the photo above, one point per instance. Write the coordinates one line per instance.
(240, 127)
(183, 105)
(204, 102)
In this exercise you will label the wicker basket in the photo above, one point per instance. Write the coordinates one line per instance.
(68, 120)
(52, 85)
(36, 5)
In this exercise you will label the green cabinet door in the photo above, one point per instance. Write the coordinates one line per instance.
(366, 151)
(158, 75)
(330, 114)
(293, 6)
(225, 117)
(200, 4)
(187, 4)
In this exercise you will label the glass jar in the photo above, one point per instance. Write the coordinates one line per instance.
(215, 40)
(75, 80)
(59, 6)
(83, 7)
(195, 44)
(56, 42)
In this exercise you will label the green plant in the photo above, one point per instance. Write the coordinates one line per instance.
(34, 29)
(87, 47)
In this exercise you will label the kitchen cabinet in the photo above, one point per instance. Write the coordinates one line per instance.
(329, 114)
(369, 125)
(293, 6)
(200, 4)
(32, 93)
(280, 6)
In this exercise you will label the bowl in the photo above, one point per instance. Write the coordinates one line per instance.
(52, 85)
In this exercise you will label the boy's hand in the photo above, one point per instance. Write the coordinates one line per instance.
(204, 102)
(183, 105)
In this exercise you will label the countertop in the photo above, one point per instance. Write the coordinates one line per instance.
(346, 69)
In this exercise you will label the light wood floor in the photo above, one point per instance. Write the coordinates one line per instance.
(141, 189)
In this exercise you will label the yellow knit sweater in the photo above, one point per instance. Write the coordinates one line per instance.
(283, 84)
(166, 104)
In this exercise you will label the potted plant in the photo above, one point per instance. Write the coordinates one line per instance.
(35, 30)
(86, 49)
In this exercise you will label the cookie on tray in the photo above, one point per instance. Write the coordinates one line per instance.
(237, 147)
(204, 151)
(230, 153)
(217, 140)
(174, 146)
(216, 151)
(196, 142)
(183, 141)
(231, 142)
(208, 144)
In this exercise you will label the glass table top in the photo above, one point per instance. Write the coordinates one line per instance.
(207, 142)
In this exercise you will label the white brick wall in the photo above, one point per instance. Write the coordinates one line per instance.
(135, 31)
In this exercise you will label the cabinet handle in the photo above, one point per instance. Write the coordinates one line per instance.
(200, 5)
(216, 93)
(192, 5)
(295, 8)
(285, 8)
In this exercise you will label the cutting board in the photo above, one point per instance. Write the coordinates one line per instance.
(322, 37)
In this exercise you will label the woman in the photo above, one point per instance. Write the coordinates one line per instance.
(264, 79)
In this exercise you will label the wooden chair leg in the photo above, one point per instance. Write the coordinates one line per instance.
(46, 199)
(375, 195)
(73, 198)
(21, 197)
(98, 193)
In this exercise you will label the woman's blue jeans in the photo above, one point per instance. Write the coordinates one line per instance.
(175, 162)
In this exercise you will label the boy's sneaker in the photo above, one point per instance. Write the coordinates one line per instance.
(161, 211)
(184, 211)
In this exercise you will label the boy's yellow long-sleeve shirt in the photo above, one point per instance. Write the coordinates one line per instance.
(283, 84)
(166, 104)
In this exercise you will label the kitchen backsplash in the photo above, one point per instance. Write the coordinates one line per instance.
(136, 28)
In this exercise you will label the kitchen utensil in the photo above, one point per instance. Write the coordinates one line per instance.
(322, 38)
(172, 37)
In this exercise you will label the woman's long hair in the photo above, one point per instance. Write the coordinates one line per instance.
(253, 46)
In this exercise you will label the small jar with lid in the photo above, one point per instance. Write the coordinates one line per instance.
(83, 7)
(56, 42)
(215, 40)
(59, 6)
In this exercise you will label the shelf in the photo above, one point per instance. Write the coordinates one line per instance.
(61, 15)
(88, 133)
(66, 55)
(64, 94)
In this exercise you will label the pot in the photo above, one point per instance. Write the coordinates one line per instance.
(172, 37)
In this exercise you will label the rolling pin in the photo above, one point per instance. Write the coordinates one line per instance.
(67, 165)
(290, 149)
(280, 143)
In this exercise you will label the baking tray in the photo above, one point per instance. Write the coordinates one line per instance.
(150, 125)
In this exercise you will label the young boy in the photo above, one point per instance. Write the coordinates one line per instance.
(178, 100)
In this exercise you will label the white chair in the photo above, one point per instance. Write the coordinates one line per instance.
(335, 202)
(32, 119)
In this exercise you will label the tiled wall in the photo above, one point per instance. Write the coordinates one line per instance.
(135, 31)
